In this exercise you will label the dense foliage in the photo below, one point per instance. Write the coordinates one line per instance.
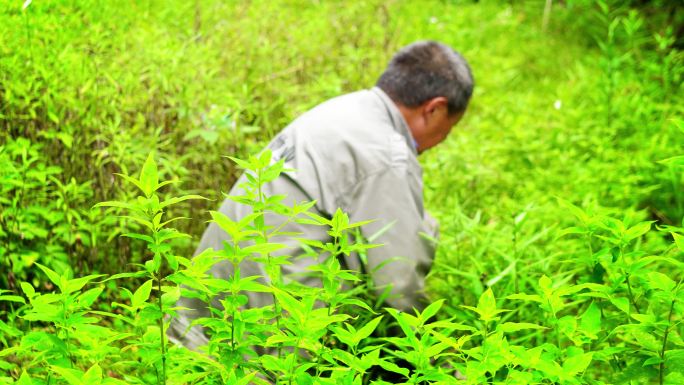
(560, 195)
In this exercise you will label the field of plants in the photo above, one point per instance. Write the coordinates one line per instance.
(560, 195)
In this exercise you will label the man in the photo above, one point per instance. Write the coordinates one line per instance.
(358, 152)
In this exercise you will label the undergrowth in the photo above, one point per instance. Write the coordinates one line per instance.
(559, 195)
(622, 325)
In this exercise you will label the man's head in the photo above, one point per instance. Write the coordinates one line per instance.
(431, 84)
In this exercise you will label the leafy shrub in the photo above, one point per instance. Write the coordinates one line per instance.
(41, 218)
(623, 326)
(559, 199)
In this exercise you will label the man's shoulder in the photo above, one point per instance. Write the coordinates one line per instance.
(355, 125)
(359, 105)
(340, 143)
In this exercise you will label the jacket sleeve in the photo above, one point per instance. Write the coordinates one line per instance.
(395, 196)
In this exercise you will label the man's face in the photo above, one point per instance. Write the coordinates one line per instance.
(438, 124)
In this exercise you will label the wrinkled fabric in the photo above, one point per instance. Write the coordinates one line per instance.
(354, 152)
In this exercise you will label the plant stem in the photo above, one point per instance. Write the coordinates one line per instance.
(294, 359)
(516, 287)
(161, 329)
(236, 266)
(558, 336)
(484, 335)
(264, 237)
(28, 35)
(631, 295)
(66, 328)
(232, 331)
(662, 351)
(547, 14)
(11, 280)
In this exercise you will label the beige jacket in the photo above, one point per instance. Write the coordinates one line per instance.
(354, 152)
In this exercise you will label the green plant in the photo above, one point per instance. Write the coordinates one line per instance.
(588, 109)
(26, 217)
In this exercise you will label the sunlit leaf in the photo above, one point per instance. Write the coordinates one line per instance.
(679, 241)
(149, 178)
(142, 294)
(510, 327)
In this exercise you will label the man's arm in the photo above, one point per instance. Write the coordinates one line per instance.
(395, 195)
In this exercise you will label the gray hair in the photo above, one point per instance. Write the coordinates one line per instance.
(425, 70)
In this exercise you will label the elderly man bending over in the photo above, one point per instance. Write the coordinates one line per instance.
(358, 152)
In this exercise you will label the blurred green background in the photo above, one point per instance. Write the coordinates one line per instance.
(577, 100)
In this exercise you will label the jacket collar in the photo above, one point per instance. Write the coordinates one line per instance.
(397, 118)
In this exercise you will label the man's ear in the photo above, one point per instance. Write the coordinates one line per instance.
(434, 104)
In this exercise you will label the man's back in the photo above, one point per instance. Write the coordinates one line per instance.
(353, 152)
(342, 143)
(358, 152)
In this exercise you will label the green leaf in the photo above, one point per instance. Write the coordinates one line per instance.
(367, 329)
(171, 296)
(431, 310)
(149, 178)
(486, 306)
(487, 302)
(673, 161)
(265, 158)
(131, 180)
(173, 201)
(86, 299)
(319, 320)
(661, 281)
(12, 298)
(317, 220)
(24, 379)
(77, 284)
(263, 248)
(653, 361)
(142, 294)
(510, 327)
(246, 379)
(142, 221)
(574, 210)
(93, 375)
(590, 321)
(71, 376)
(392, 367)
(28, 289)
(167, 234)
(52, 276)
(241, 163)
(621, 303)
(526, 297)
(577, 364)
(679, 241)
(225, 223)
(121, 205)
(359, 303)
(638, 230)
(136, 274)
(568, 326)
(545, 283)
(403, 324)
(572, 230)
(450, 326)
(289, 303)
(345, 336)
(142, 237)
(248, 284)
(436, 349)
(172, 260)
(164, 183)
